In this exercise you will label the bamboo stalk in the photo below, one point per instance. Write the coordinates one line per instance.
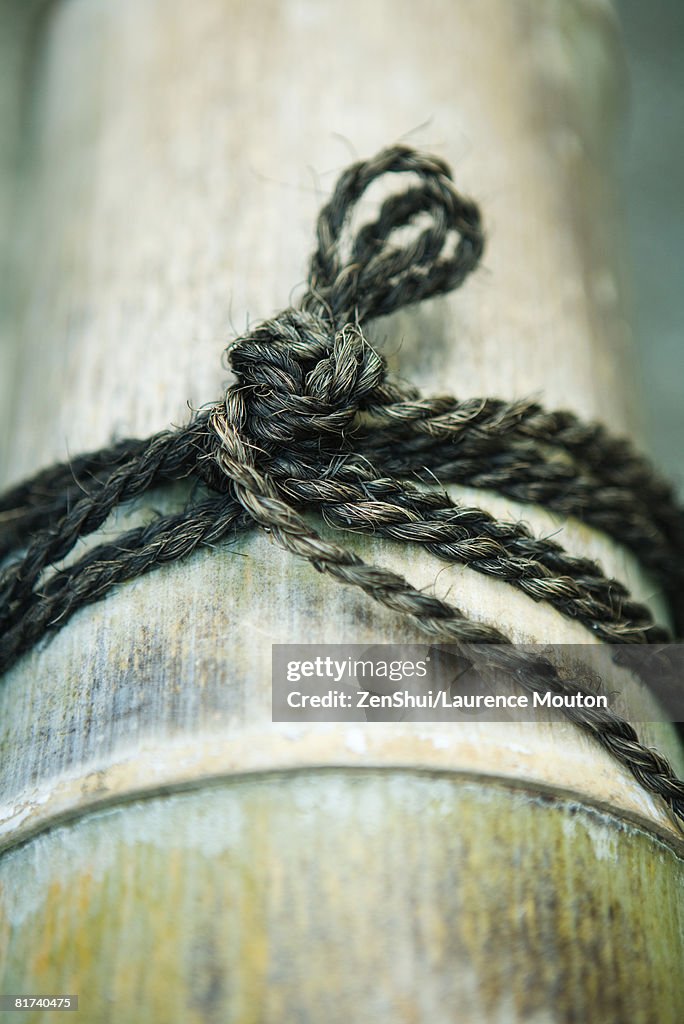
(401, 872)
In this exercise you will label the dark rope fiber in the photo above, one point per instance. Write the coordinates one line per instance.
(314, 422)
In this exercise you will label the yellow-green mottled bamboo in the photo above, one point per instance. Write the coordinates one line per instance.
(169, 853)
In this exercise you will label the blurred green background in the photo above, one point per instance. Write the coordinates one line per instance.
(653, 177)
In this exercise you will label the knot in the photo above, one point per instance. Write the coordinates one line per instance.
(303, 377)
(293, 409)
(297, 382)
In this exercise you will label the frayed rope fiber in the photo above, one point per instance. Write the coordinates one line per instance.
(314, 422)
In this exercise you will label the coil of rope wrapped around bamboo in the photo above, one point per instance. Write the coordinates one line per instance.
(314, 421)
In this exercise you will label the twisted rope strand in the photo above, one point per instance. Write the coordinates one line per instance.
(48, 496)
(54, 544)
(487, 444)
(134, 553)
(314, 422)
(576, 586)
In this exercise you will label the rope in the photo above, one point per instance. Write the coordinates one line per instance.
(314, 422)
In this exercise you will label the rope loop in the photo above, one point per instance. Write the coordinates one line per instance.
(302, 378)
(382, 273)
